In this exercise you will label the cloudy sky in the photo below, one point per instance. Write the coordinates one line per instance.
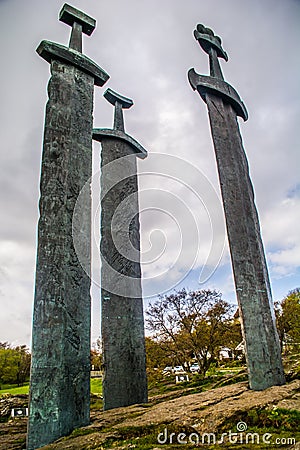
(147, 48)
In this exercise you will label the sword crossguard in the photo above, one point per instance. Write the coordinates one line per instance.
(80, 23)
(120, 102)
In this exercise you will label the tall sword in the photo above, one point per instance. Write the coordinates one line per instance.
(125, 380)
(60, 370)
(247, 253)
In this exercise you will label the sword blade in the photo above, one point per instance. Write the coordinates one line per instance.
(246, 247)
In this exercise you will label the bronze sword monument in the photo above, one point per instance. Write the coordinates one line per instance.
(60, 372)
(125, 381)
(247, 254)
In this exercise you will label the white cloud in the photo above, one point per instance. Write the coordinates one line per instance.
(16, 291)
(281, 231)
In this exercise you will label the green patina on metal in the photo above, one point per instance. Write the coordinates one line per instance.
(60, 372)
(125, 380)
(247, 253)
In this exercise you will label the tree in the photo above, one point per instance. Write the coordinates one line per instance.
(190, 324)
(155, 354)
(288, 319)
(14, 364)
(96, 360)
(233, 334)
(23, 363)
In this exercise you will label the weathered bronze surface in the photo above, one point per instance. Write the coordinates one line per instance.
(246, 247)
(125, 380)
(51, 50)
(60, 372)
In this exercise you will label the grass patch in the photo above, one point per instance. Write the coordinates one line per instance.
(81, 432)
(266, 428)
(166, 384)
(96, 403)
(276, 418)
(143, 438)
(273, 419)
(96, 386)
(14, 389)
(278, 426)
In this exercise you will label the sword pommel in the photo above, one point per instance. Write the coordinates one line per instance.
(113, 98)
(80, 23)
(120, 103)
(208, 40)
(70, 15)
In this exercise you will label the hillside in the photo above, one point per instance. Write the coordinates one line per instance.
(271, 414)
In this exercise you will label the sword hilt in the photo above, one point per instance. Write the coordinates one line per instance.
(120, 102)
(212, 45)
(80, 23)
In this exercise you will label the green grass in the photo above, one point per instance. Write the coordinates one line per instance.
(162, 384)
(275, 418)
(279, 423)
(96, 388)
(14, 389)
(269, 424)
